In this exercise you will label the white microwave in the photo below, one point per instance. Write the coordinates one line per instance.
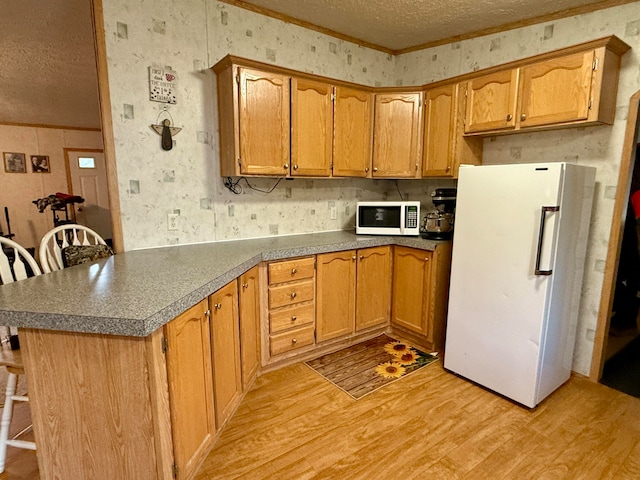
(388, 218)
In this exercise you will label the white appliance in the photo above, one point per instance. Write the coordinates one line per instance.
(388, 218)
(516, 275)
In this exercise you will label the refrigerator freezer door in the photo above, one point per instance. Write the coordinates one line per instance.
(498, 306)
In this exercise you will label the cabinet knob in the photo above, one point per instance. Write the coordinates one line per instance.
(361, 257)
(353, 258)
(448, 168)
(366, 170)
(523, 117)
(207, 312)
(509, 117)
(294, 295)
(295, 167)
(293, 318)
(286, 166)
(218, 306)
(426, 259)
(294, 271)
(294, 341)
(245, 285)
(375, 169)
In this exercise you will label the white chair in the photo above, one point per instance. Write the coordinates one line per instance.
(11, 270)
(55, 240)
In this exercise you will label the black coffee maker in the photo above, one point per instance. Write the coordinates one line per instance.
(438, 223)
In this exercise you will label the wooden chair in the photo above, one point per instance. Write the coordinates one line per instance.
(55, 240)
(14, 260)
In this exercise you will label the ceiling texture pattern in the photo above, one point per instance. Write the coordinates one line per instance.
(48, 74)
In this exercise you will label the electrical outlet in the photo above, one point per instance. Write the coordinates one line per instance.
(172, 221)
(334, 213)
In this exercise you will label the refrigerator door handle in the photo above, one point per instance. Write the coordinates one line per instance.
(543, 216)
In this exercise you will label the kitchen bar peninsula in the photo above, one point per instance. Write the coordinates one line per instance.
(93, 346)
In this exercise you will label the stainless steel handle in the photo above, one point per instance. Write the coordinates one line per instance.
(543, 216)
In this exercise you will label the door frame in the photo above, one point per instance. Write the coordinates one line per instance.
(615, 238)
(67, 168)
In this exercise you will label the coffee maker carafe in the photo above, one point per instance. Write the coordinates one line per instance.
(438, 223)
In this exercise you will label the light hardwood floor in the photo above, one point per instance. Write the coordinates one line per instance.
(295, 425)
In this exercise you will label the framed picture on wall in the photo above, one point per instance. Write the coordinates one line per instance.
(40, 164)
(15, 162)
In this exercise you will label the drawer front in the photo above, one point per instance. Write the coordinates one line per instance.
(289, 294)
(290, 270)
(285, 342)
(291, 317)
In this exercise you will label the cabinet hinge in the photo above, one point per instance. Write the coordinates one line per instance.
(238, 78)
(333, 97)
(165, 344)
(595, 64)
(175, 471)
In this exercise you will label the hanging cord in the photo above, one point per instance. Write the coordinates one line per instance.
(399, 193)
(234, 187)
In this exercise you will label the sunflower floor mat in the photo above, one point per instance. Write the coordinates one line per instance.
(370, 365)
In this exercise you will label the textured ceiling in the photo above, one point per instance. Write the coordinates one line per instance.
(48, 72)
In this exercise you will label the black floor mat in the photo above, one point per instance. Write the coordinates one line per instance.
(622, 371)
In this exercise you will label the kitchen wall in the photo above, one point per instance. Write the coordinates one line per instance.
(194, 34)
(18, 190)
(600, 147)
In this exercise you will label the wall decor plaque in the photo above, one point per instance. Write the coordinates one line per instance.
(162, 85)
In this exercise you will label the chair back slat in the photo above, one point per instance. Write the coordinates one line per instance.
(11, 271)
(19, 270)
(55, 240)
(5, 270)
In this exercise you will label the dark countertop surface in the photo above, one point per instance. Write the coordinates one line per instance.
(136, 292)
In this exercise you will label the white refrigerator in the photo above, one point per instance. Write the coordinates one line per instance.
(519, 247)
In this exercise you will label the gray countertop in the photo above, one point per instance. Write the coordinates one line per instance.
(136, 292)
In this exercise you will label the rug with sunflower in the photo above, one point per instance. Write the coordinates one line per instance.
(367, 366)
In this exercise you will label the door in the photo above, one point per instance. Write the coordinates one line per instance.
(249, 305)
(497, 304)
(411, 287)
(373, 287)
(491, 102)
(311, 128)
(352, 132)
(336, 288)
(190, 386)
(87, 177)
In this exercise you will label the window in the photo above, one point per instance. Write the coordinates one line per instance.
(86, 162)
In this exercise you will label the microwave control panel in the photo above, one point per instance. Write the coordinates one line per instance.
(411, 218)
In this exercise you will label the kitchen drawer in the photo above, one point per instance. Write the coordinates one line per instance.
(285, 342)
(289, 294)
(291, 317)
(290, 270)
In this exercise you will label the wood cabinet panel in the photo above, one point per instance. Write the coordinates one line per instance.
(249, 308)
(411, 275)
(225, 347)
(282, 295)
(335, 305)
(440, 105)
(264, 123)
(491, 101)
(290, 340)
(311, 128)
(190, 386)
(287, 318)
(397, 134)
(373, 287)
(290, 270)
(353, 122)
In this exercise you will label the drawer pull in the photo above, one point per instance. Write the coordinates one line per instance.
(294, 295)
(294, 318)
(294, 341)
(294, 271)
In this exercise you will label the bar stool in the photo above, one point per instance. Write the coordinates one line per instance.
(15, 368)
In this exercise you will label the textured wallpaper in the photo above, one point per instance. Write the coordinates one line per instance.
(192, 35)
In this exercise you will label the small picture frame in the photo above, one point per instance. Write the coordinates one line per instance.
(40, 164)
(15, 162)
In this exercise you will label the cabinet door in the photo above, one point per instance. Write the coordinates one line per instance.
(311, 128)
(411, 290)
(335, 299)
(225, 346)
(491, 102)
(373, 287)
(352, 132)
(397, 135)
(264, 123)
(440, 106)
(557, 90)
(190, 386)
(249, 326)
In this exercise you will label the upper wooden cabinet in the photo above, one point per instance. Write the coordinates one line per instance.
(444, 146)
(397, 130)
(311, 128)
(352, 119)
(576, 86)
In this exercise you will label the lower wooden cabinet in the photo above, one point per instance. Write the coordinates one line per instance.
(189, 376)
(353, 291)
(225, 348)
(419, 298)
(249, 305)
